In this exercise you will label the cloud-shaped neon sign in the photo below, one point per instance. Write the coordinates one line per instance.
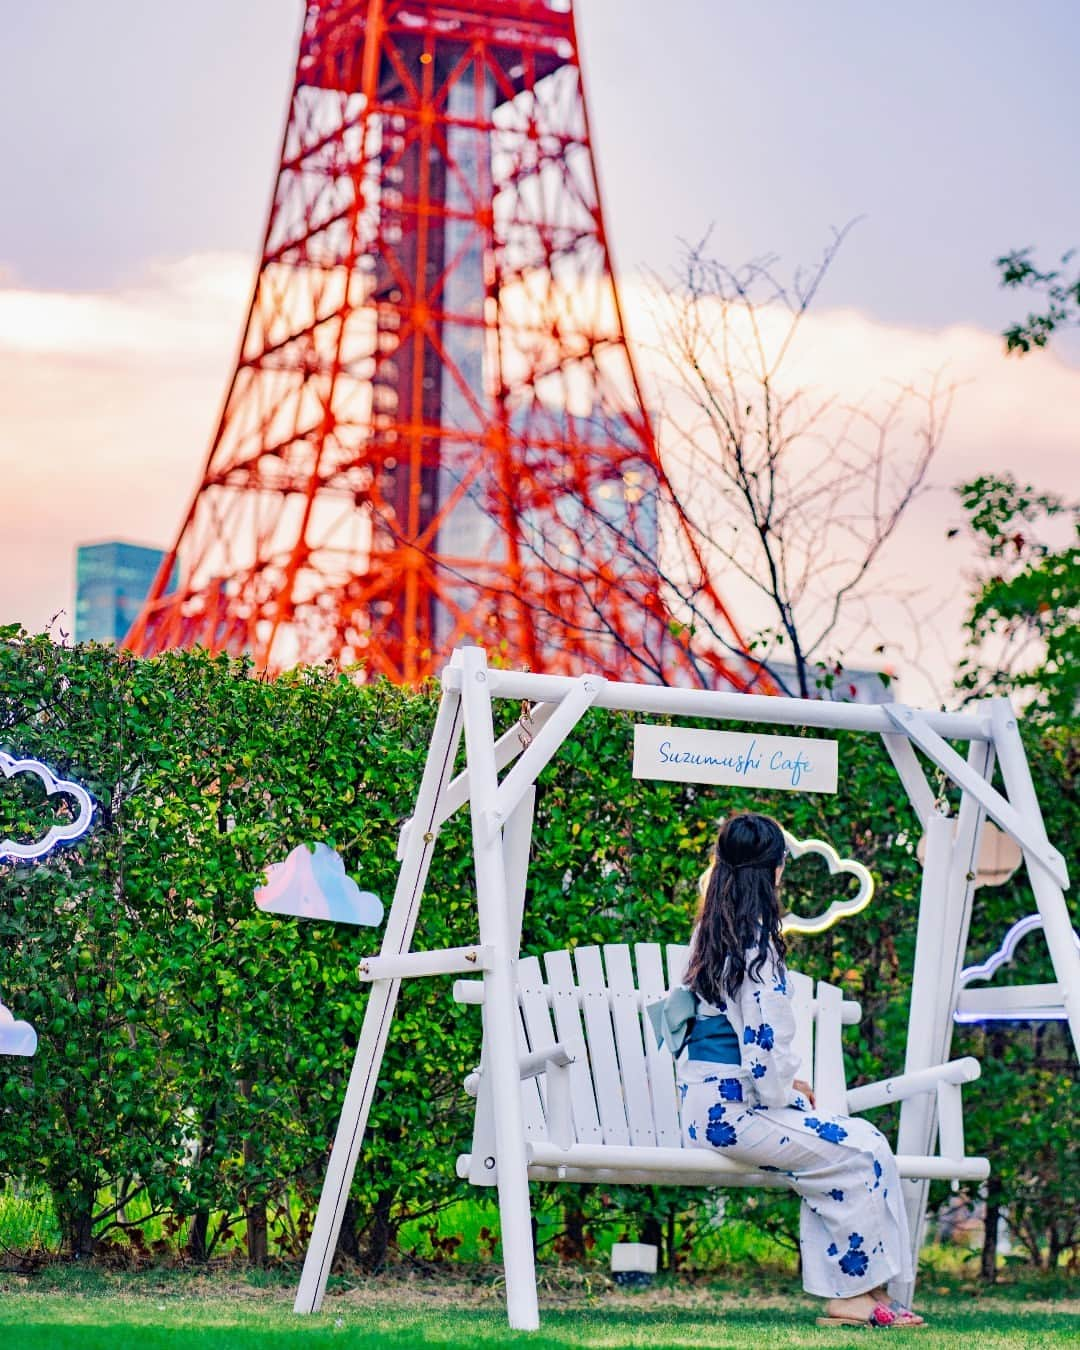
(16, 1038)
(839, 909)
(312, 884)
(1048, 1005)
(56, 834)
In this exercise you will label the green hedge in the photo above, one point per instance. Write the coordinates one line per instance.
(193, 1051)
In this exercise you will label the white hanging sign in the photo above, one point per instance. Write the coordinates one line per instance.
(734, 758)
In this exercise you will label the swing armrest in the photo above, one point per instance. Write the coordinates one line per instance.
(548, 1061)
(554, 1063)
(543, 1061)
(905, 1085)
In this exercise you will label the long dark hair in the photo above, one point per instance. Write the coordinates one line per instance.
(740, 911)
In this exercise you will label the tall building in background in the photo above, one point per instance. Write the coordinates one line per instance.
(434, 433)
(112, 581)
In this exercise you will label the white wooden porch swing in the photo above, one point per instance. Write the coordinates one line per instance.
(571, 1085)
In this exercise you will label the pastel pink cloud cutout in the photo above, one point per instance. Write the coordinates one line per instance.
(312, 884)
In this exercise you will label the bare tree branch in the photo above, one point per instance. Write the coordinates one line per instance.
(792, 491)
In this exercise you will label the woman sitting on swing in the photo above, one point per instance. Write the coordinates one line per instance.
(740, 1095)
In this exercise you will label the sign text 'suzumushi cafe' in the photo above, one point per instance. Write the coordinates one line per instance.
(735, 758)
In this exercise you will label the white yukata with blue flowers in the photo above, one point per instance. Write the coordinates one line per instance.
(853, 1229)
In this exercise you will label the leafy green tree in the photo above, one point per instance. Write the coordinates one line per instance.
(1023, 635)
(1058, 289)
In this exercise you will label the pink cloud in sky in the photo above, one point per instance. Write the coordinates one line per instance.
(110, 399)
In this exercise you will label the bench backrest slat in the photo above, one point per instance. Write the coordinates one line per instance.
(803, 1006)
(658, 1058)
(532, 1035)
(601, 1037)
(626, 1016)
(566, 1006)
(678, 955)
(829, 1087)
(533, 1000)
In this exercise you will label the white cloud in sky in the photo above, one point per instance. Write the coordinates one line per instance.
(110, 399)
(172, 311)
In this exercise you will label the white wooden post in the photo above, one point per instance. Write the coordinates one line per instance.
(952, 849)
(916, 1118)
(961, 896)
(380, 1007)
(1057, 926)
(500, 1010)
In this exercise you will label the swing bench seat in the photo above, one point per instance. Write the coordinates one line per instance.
(599, 1097)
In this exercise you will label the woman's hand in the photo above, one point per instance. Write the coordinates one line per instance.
(806, 1090)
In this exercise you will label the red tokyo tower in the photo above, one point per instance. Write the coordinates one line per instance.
(434, 433)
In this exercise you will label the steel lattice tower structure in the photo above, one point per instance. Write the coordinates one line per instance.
(434, 431)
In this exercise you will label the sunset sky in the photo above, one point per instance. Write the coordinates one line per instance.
(139, 148)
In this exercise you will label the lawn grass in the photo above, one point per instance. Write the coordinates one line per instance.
(87, 1309)
(27, 1219)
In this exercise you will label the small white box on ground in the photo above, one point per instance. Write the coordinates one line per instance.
(638, 1258)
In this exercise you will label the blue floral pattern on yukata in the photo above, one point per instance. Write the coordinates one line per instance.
(763, 1035)
(831, 1130)
(854, 1261)
(719, 1132)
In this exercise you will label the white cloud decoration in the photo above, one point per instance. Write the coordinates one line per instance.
(16, 1038)
(839, 909)
(312, 884)
(56, 834)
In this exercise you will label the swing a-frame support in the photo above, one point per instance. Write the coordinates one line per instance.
(501, 811)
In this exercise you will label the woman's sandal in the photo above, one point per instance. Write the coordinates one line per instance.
(904, 1316)
(881, 1316)
(889, 1313)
